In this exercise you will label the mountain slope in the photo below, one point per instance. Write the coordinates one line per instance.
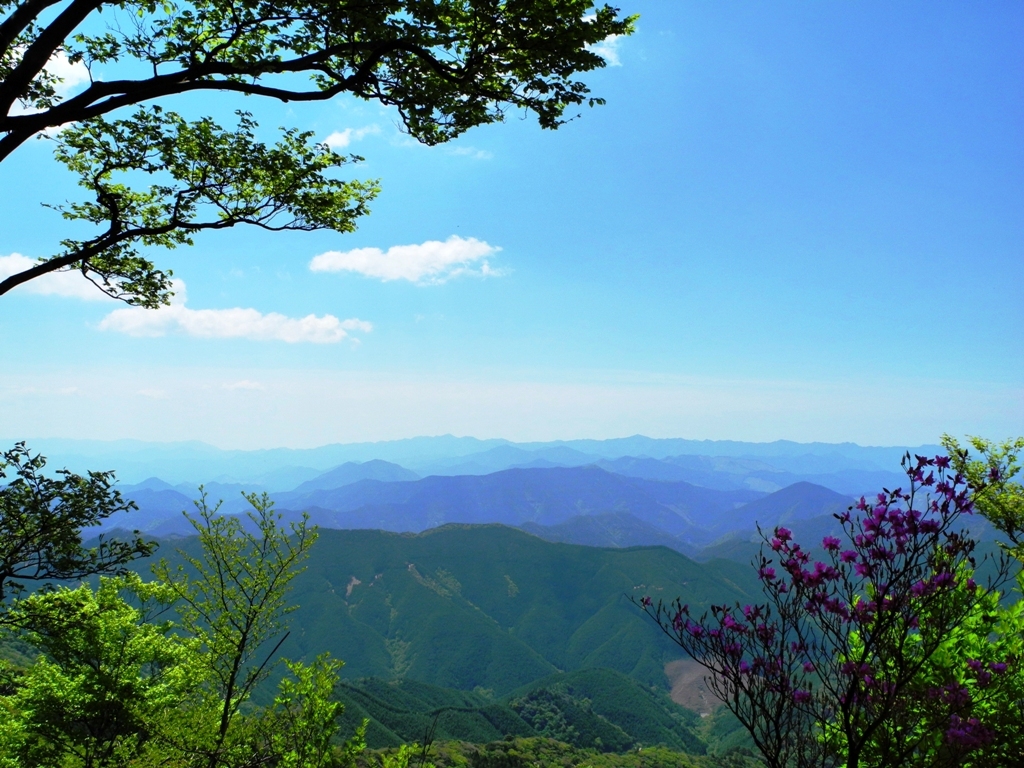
(489, 606)
(611, 529)
(352, 471)
(800, 501)
(646, 717)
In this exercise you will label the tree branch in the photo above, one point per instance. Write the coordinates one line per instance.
(42, 49)
(18, 21)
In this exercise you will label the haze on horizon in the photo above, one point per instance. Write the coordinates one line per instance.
(792, 221)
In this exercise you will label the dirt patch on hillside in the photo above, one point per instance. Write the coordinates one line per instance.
(686, 679)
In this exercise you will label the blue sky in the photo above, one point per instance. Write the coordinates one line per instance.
(791, 220)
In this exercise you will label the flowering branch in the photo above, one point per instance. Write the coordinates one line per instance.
(829, 670)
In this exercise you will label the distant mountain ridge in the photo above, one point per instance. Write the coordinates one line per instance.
(805, 506)
(354, 471)
(578, 505)
(681, 500)
(515, 496)
(281, 469)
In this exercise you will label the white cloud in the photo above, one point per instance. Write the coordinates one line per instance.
(607, 49)
(472, 152)
(244, 384)
(428, 263)
(234, 323)
(341, 139)
(71, 75)
(70, 284)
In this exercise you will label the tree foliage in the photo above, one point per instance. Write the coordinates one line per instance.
(42, 520)
(445, 65)
(162, 672)
(991, 470)
(886, 652)
(107, 679)
(232, 598)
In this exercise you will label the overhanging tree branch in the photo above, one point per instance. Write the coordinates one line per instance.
(445, 69)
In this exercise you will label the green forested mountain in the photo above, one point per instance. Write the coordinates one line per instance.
(491, 607)
(591, 709)
(401, 711)
(486, 632)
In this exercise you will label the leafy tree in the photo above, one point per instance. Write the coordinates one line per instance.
(446, 65)
(41, 522)
(301, 722)
(991, 471)
(153, 673)
(879, 654)
(107, 678)
(232, 598)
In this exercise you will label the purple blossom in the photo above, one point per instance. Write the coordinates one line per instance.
(902, 550)
(969, 733)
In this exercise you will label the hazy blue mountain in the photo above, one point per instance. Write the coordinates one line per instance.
(649, 512)
(743, 546)
(800, 501)
(639, 445)
(508, 457)
(545, 496)
(651, 469)
(285, 478)
(611, 529)
(731, 534)
(195, 462)
(849, 477)
(353, 471)
(284, 468)
(155, 507)
(149, 484)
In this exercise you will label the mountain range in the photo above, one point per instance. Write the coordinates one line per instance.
(845, 467)
(584, 505)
